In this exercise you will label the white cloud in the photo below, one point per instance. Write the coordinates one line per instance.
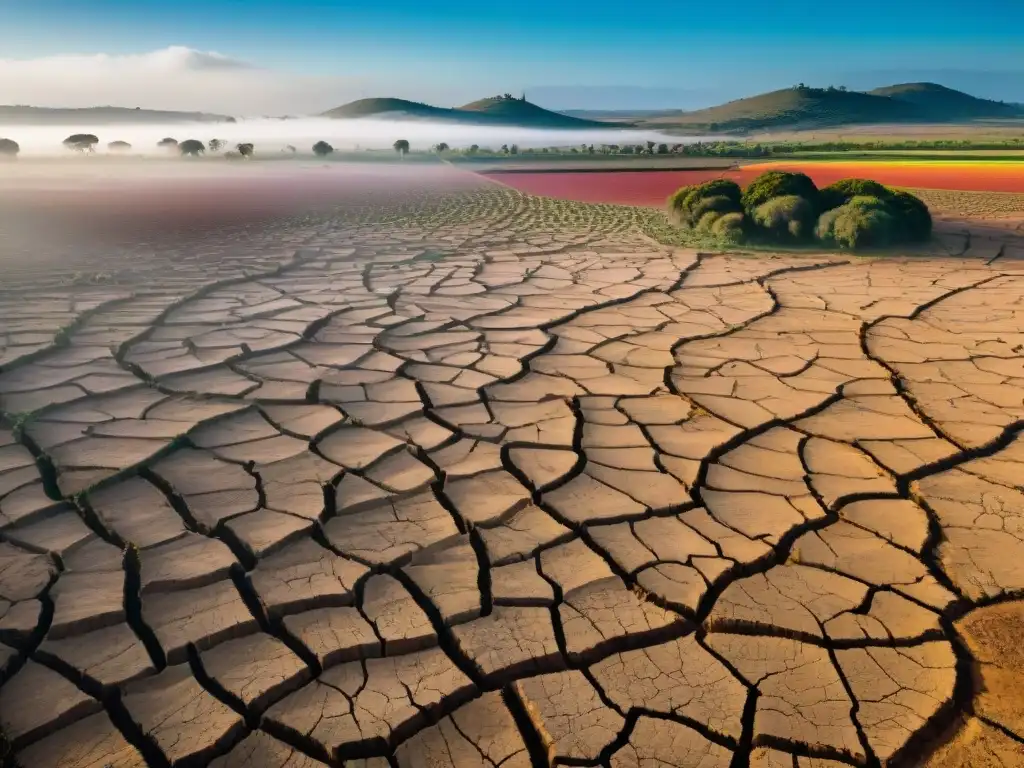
(175, 78)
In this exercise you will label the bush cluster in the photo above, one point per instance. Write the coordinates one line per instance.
(720, 196)
(786, 208)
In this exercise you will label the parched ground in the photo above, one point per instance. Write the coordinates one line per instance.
(478, 479)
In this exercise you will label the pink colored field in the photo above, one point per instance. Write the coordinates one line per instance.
(132, 202)
(651, 188)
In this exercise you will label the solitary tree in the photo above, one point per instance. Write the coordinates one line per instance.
(504, 149)
(215, 145)
(441, 148)
(663, 149)
(191, 148)
(245, 150)
(514, 149)
(81, 142)
(168, 143)
(9, 149)
(322, 149)
(118, 146)
(473, 149)
(401, 147)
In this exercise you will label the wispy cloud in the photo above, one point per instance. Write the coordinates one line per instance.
(176, 77)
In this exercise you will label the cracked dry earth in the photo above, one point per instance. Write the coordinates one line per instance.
(495, 493)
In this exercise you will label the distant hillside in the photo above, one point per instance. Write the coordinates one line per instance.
(621, 114)
(804, 107)
(379, 107)
(520, 112)
(494, 111)
(942, 104)
(20, 115)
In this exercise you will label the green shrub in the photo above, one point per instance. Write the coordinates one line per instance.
(868, 203)
(857, 226)
(908, 219)
(789, 216)
(843, 190)
(824, 230)
(718, 188)
(707, 221)
(684, 201)
(730, 227)
(779, 184)
(675, 200)
(718, 203)
(914, 220)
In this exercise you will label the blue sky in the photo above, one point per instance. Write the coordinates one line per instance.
(662, 52)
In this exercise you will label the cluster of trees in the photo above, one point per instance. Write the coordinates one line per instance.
(476, 149)
(86, 142)
(811, 89)
(779, 207)
(195, 148)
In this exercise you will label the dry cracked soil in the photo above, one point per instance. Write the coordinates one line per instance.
(481, 480)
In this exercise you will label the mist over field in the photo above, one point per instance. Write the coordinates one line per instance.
(273, 135)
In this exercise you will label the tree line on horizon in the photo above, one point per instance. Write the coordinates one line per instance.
(726, 148)
(86, 143)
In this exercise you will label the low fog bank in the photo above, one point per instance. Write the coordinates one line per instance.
(274, 135)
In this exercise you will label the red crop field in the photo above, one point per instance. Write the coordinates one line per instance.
(651, 188)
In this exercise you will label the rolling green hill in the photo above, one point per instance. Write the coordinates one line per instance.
(21, 115)
(945, 104)
(493, 111)
(379, 107)
(803, 107)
